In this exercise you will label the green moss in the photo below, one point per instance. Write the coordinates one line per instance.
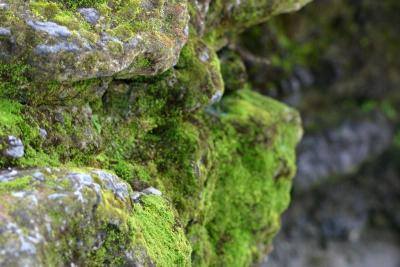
(13, 79)
(233, 71)
(123, 170)
(154, 224)
(9, 116)
(225, 171)
(109, 253)
(254, 161)
(56, 12)
(216, 170)
(82, 3)
(15, 120)
(219, 171)
(17, 184)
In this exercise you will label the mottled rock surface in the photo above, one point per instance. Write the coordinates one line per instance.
(222, 17)
(114, 38)
(57, 217)
(12, 147)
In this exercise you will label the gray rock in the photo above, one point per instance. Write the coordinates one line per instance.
(14, 148)
(235, 15)
(113, 50)
(43, 133)
(204, 56)
(56, 48)
(62, 219)
(91, 15)
(340, 151)
(374, 249)
(8, 175)
(136, 197)
(152, 191)
(335, 224)
(217, 96)
(51, 28)
(4, 6)
(5, 32)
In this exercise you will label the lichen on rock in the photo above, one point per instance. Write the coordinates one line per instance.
(55, 217)
(114, 38)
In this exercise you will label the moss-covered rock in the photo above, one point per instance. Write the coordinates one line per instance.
(250, 164)
(62, 42)
(223, 164)
(213, 166)
(57, 217)
(221, 19)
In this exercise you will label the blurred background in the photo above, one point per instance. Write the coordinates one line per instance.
(338, 63)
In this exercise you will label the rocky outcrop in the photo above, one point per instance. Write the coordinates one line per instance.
(221, 150)
(122, 39)
(118, 146)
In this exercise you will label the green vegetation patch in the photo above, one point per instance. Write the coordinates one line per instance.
(155, 225)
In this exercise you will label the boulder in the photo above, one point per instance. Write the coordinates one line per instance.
(84, 217)
(122, 39)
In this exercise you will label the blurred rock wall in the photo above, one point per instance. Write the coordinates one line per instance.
(337, 62)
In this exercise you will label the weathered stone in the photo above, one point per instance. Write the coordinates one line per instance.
(152, 191)
(222, 17)
(127, 40)
(91, 15)
(12, 147)
(57, 217)
(70, 88)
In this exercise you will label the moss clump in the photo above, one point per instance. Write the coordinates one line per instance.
(17, 120)
(10, 116)
(233, 70)
(154, 224)
(256, 163)
(89, 223)
(18, 184)
(13, 79)
(82, 3)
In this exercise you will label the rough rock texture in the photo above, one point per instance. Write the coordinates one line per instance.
(12, 147)
(222, 18)
(113, 38)
(121, 133)
(58, 217)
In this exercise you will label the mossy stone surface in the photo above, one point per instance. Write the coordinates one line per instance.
(220, 20)
(57, 217)
(63, 42)
(139, 104)
(213, 166)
